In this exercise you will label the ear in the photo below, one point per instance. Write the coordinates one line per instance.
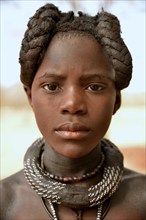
(117, 102)
(27, 90)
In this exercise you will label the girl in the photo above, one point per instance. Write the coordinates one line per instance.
(73, 69)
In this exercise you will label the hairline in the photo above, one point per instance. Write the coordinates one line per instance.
(73, 34)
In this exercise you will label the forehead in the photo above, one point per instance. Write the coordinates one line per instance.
(75, 42)
(75, 51)
(71, 39)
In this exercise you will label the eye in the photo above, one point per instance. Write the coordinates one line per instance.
(94, 87)
(51, 87)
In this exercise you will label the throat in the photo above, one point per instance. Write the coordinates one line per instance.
(58, 165)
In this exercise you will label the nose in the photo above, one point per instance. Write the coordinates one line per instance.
(73, 103)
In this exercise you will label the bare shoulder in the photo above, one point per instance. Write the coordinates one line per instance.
(19, 201)
(135, 184)
(9, 184)
(10, 187)
(136, 181)
(132, 192)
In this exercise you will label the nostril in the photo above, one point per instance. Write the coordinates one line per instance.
(73, 104)
(65, 111)
(73, 110)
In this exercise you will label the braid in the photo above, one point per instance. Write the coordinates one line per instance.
(48, 20)
(108, 29)
(36, 38)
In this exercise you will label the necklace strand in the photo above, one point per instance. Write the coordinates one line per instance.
(72, 178)
(79, 216)
(70, 195)
(51, 215)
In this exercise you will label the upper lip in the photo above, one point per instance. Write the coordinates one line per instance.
(72, 126)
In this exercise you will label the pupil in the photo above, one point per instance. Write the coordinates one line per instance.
(52, 87)
(94, 87)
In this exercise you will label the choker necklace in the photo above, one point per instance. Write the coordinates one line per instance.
(70, 195)
(72, 178)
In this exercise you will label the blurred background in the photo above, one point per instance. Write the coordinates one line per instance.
(18, 127)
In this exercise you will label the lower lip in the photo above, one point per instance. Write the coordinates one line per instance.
(72, 134)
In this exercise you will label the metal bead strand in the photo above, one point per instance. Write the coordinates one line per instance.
(53, 210)
(63, 193)
(99, 212)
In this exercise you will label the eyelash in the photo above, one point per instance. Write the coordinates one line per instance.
(93, 87)
(50, 87)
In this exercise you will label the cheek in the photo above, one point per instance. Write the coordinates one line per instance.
(41, 111)
(103, 111)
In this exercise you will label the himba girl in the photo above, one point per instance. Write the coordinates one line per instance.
(73, 69)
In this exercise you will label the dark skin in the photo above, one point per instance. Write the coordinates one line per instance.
(73, 97)
(20, 202)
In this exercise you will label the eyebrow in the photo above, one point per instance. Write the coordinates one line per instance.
(86, 77)
(51, 75)
(98, 76)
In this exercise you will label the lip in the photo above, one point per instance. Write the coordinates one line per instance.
(72, 130)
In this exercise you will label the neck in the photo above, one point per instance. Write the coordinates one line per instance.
(59, 165)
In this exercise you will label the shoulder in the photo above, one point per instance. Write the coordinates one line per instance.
(10, 188)
(16, 199)
(132, 191)
(136, 185)
(12, 182)
(136, 181)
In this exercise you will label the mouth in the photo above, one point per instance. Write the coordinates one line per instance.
(72, 131)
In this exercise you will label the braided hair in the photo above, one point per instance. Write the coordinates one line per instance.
(49, 20)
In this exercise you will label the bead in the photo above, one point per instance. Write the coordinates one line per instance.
(74, 178)
(59, 192)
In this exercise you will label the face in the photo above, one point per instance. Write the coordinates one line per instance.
(73, 95)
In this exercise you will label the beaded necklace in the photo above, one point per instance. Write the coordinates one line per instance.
(69, 195)
(72, 178)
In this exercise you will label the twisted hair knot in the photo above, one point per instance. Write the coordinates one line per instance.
(48, 20)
